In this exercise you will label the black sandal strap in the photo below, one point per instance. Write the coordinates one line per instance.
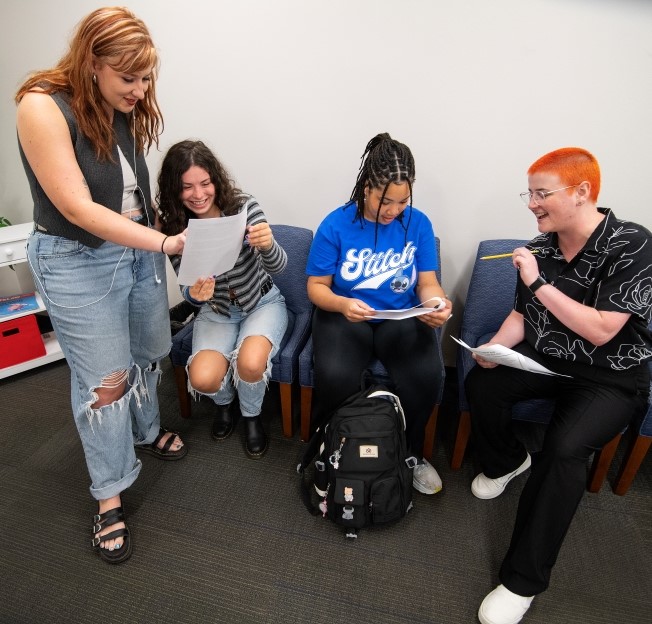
(170, 441)
(161, 433)
(98, 539)
(108, 518)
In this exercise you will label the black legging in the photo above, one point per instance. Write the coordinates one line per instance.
(407, 349)
(591, 407)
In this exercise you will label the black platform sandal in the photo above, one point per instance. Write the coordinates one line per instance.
(165, 452)
(108, 519)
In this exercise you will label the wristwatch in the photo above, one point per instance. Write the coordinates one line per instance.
(536, 284)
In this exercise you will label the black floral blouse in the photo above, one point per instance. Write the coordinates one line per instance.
(613, 272)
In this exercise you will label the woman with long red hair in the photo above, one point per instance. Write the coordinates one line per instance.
(96, 254)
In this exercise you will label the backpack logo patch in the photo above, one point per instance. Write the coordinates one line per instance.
(369, 450)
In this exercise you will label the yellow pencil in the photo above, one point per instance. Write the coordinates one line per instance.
(505, 255)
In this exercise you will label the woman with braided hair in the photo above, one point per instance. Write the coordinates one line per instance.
(378, 252)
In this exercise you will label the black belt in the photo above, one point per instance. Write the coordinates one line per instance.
(264, 289)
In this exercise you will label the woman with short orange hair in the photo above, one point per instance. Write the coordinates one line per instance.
(582, 309)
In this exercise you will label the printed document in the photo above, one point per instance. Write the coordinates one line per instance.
(212, 247)
(507, 357)
(417, 310)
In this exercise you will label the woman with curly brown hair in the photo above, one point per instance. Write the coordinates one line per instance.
(242, 316)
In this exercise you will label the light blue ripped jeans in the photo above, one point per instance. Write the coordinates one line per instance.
(218, 332)
(111, 317)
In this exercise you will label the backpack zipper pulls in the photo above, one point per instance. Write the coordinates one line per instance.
(334, 459)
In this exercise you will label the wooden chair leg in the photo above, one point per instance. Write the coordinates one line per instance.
(461, 440)
(286, 409)
(632, 462)
(183, 395)
(600, 465)
(431, 431)
(306, 412)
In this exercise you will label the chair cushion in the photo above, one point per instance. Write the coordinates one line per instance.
(305, 365)
(182, 345)
(282, 369)
(484, 339)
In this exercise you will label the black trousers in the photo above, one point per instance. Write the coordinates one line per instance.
(591, 407)
(408, 350)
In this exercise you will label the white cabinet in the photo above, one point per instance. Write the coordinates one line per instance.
(15, 278)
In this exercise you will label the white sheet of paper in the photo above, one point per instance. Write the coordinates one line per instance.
(418, 310)
(507, 357)
(212, 247)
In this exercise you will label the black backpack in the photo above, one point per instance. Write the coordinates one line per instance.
(362, 472)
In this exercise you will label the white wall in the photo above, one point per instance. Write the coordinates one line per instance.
(288, 92)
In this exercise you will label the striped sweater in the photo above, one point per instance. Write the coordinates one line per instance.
(250, 272)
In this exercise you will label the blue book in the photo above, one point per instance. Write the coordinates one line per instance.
(19, 305)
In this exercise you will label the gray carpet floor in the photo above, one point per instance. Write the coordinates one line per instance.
(221, 538)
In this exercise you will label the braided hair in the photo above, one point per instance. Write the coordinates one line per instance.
(385, 161)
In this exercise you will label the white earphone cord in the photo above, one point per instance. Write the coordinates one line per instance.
(85, 305)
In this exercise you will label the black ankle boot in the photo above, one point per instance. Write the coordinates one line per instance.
(223, 422)
(255, 438)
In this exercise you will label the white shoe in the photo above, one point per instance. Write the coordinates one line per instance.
(425, 478)
(502, 606)
(485, 488)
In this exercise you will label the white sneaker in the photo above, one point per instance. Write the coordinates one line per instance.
(425, 478)
(502, 606)
(485, 488)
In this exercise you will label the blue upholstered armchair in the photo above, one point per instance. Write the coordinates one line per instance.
(376, 371)
(285, 366)
(489, 301)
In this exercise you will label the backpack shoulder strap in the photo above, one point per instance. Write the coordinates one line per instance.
(308, 455)
(311, 451)
(382, 393)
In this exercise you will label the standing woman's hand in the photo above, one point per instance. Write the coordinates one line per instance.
(173, 245)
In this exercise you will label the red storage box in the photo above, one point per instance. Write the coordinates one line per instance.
(20, 340)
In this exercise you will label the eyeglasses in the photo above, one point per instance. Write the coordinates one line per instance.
(540, 196)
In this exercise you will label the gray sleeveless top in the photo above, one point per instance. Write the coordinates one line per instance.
(104, 178)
